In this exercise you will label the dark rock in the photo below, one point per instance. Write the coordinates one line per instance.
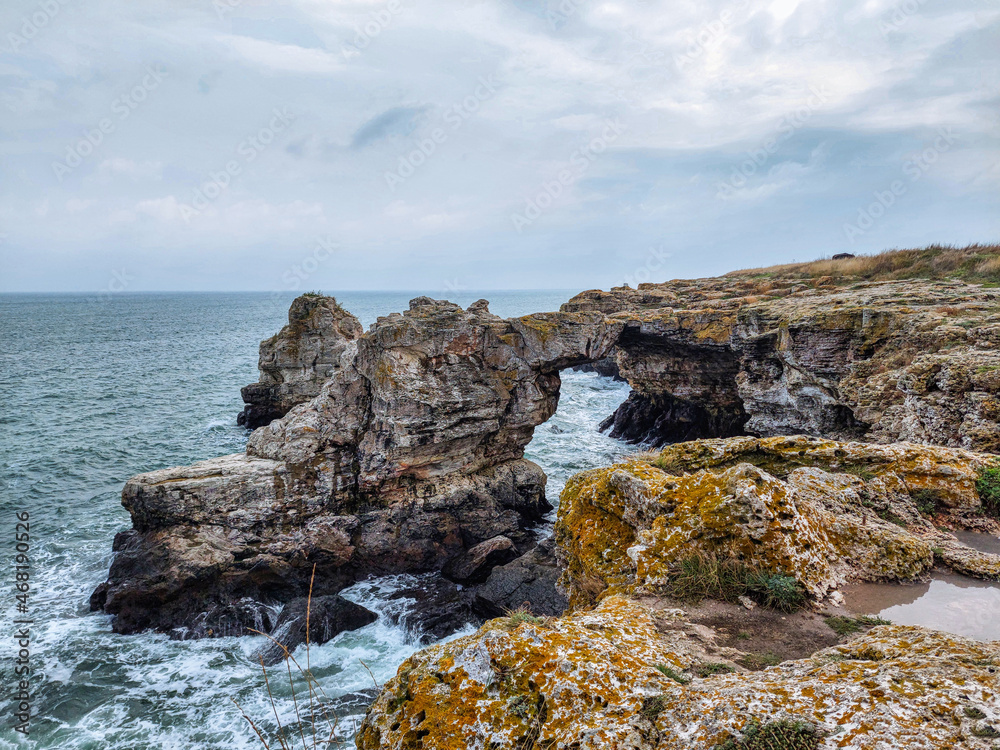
(843, 256)
(659, 420)
(328, 616)
(606, 367)
(529, 581)
(432, 609)
(474, 565)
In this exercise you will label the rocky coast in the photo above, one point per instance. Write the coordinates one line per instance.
(819, 424)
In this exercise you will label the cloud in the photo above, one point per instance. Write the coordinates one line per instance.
(699, 87)
(398, 121)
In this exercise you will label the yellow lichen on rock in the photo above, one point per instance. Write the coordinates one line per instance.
(590, 681)
(821, 511)
(521, 682)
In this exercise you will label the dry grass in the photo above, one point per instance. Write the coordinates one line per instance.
(974, 263)
(315, 727)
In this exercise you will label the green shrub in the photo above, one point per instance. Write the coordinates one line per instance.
(710, 668)
(926, 501)
(986, 730)
(777, 591)
(757, 661)
(673, 674)
(706, 577)
(784, 734)
(849, 625)
(988, 487)
(652, 706)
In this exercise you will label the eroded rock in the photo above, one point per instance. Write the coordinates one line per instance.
(820, 511)
(608, 679)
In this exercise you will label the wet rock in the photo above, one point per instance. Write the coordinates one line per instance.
(659, 420)
(474, 565)
(433, 609)
(606, 367)
(529, 582)
(411, 450)
(328, 616)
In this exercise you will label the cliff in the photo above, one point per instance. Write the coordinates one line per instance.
(401, 448)
(637, 666)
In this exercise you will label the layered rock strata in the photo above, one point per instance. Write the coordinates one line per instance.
(296, 361)
(411, 451)
(411, 454)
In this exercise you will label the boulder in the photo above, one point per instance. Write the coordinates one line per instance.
(819, 511)
(625, 675)
(527, 583)
(328, 616)
(474, 565)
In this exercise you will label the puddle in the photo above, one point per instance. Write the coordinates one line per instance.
(981, 542)
(947, 601)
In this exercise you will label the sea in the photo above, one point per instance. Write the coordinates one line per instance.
(97, 388)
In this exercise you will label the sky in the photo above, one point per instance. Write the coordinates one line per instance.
(449, 145)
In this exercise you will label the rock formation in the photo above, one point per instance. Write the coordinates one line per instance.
(411, 454)
(819, 511)
(631, 668)
(401, 448)
(611, 679)
(296, 361)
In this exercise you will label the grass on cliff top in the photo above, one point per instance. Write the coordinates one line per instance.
(973, 263)
(700, 577)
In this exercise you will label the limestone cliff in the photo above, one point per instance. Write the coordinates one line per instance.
(401, 448)
(296, 361)
(632, 666)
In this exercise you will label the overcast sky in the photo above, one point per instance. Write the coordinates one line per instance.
(464, 144)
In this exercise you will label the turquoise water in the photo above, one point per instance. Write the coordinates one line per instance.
(98, 388)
